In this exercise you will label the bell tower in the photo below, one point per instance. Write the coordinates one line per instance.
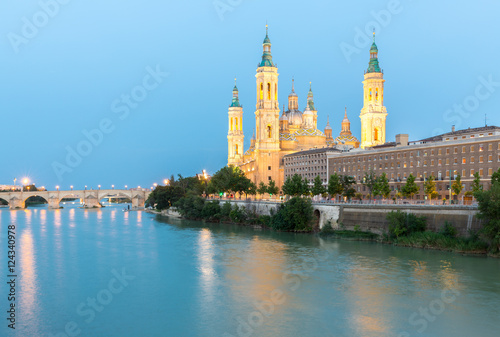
(235, 135)
(267, 114)
(373, 114)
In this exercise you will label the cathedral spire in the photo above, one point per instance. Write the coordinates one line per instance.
(267, 58)
(346, 125)
(236, 101)
(373, 65)
(310, 98)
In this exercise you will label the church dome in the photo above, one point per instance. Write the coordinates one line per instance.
(294, 117)
(283, 118)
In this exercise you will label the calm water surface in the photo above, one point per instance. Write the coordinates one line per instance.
(113, 273)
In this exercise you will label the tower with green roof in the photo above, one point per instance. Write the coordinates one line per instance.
(267, 115)
(235, 135)
(373, 114)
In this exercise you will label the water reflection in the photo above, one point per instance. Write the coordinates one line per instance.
(28, 281)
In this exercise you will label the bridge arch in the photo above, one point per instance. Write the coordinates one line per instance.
(34, 197)
(3, 201)
(316, 220)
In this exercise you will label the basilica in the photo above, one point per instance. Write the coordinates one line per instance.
(279, 132)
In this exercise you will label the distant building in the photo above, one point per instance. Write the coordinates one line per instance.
(462, 152)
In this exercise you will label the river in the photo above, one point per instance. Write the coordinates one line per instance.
(113, 273)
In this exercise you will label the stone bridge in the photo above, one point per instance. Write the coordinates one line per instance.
(90, 198)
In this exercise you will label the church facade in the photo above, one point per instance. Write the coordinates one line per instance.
(279, 132)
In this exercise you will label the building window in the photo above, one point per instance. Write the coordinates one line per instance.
(464, 160)
(269, 178)
(463, 149)
(269, 168)
(481, 172)
(490, 158)
(261, 91)
(490, 172)
(269, 91)
(472, 160)
(481, 159)
(490, 147)
(472, 148)
(472, 173)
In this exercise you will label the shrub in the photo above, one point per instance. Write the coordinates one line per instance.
(191, 207)
(357, 228)
(404, 224)
(448, 230)
(294, 215)
(211, 211)
(237, 214)
(225, 210)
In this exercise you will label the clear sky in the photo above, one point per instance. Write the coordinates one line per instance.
(68, 67)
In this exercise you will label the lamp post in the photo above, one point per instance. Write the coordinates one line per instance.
(85, 187)
(126, 187)
(113, 187)
(71, 187)
(99, 186)
(57, 188)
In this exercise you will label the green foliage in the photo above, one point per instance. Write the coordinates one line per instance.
(191, 207)
(211, 211)
(348, 190)
(357, 228)
(410, 188)
(495, 178)
(225, 210)
(370, 181)
(294, 215)
(262, 189)
(230, 179)
(296, 186)
(430, 187)
(404, 224)
(335, 185)
(382, 186)
(440, 241)
(165, 196)
(476, 183)
(457, 187)
(448, 230)
(318, 187)
(237, 214)
(272, 189)
(489, 212)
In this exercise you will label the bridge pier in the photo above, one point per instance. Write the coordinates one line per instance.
(16, 203)
(138, 202)
(54, 202)
(91, 202)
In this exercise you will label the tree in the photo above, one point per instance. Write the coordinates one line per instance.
(457, 187)
(370, 181)
(495, 178)
(410, 188)
(382, 187)
(295, 186)
(294, 215)
(489, 212)
(348, 190)
(229, 179)
(335, 185)
(252, 189)
(318, 187)
(430, 187)
(165, 196)
(305, 189)
(272, 189)
(476, 184)
(262, 189)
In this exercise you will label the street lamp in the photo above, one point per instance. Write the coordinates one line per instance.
(166, 182)
(57, 187)
(99, 186)
(71, 187)
(113, 187)
(126, 187)
(85, 187)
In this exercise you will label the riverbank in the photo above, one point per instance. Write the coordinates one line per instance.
(472, 245)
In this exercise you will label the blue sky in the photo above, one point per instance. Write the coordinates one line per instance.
(69, 72)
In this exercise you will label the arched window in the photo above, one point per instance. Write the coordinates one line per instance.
(269, 131)
(370, 94)
(376, 135)
(262, 91)
(275, 92)
(236, 149)
(231, 124)
(236, 124)
(269, 91)
(376, 94)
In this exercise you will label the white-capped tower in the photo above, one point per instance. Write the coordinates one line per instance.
(235, 135)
